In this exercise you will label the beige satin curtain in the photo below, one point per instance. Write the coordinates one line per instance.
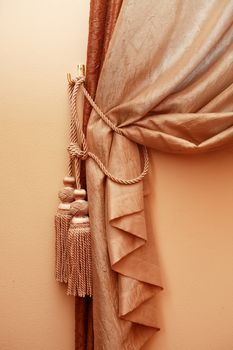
(167, 81)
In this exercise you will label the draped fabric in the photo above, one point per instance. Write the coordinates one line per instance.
(84, 338)
(167, 81)
(102, 19)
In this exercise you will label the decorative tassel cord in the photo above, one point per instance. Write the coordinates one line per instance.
(79, 259)
(75, 131)
(80, 152)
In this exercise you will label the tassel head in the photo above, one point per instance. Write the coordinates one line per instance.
(62, 223)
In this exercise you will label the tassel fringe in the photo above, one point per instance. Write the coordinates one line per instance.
(79, 260)
(62, 224)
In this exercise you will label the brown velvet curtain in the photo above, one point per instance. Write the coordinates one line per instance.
(167, 82)
(102, 20)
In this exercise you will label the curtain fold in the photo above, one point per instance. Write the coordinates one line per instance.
(167, 82)
(102, 19)
(83, 324)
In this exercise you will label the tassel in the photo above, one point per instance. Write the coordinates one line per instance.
(62, 223)
(79, 248)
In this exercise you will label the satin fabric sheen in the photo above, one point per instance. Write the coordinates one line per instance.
(167, 81)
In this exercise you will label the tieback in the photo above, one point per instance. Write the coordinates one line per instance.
(77, 135)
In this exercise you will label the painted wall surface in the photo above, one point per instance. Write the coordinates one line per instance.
(40, 42)
(191, 211)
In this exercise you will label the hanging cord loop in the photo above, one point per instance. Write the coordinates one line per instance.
(78, 149)
(77, 137)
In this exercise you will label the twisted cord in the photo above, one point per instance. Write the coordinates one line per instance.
(76, 132)
(77, 153)
(119, 180)
(73, 133)
(100, 113)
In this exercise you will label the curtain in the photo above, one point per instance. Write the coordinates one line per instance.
(167, 82)
(83, 324)
(102, 19)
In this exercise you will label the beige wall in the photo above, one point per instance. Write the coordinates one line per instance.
(192, 210)
(40, 41)
(192, 203)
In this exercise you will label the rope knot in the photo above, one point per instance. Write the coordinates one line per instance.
(75, 151)
(79, 80)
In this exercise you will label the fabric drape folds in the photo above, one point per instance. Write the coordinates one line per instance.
(167, 81)
(102, 19)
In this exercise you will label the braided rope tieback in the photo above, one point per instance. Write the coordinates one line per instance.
(73, 235)
(76, 152)
(79, 259)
